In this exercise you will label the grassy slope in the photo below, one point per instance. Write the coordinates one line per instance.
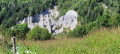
(103, 41)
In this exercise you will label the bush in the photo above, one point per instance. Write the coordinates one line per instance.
(38, 33)
(102, 21)
(114, 21)
(105, 19)
(81, 30)
(19, 31)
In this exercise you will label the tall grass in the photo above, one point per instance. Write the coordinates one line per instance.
(102, 41)
(4, 48)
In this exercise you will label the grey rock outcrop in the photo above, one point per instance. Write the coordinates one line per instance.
(69, 20)
(43, 20)
(46, 20)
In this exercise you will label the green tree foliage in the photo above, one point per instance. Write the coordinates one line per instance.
(12, 11)
(38, 33)
(92, 14)
(99, 0)
(89, 10)
(79, 31)
(114, 21)
(104, 20)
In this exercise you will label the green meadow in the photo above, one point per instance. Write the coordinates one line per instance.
(102, 41)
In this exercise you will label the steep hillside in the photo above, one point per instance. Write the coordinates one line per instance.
(88, 10)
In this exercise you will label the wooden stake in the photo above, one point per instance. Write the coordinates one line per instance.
(14, 45)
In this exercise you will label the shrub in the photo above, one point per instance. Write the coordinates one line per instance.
(81, 30)
(105, 20)
(38, 33)
(19, 31)
(114, 21)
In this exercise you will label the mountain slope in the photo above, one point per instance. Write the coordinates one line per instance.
(14, 10)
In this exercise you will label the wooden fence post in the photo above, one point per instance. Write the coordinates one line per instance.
(14, 45)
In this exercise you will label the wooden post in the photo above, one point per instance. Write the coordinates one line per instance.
(14, 45)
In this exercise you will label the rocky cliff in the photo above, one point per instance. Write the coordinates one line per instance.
(46, 20)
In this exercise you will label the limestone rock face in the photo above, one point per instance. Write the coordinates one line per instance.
(43, 20)
(69, 20)
(46, 20)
